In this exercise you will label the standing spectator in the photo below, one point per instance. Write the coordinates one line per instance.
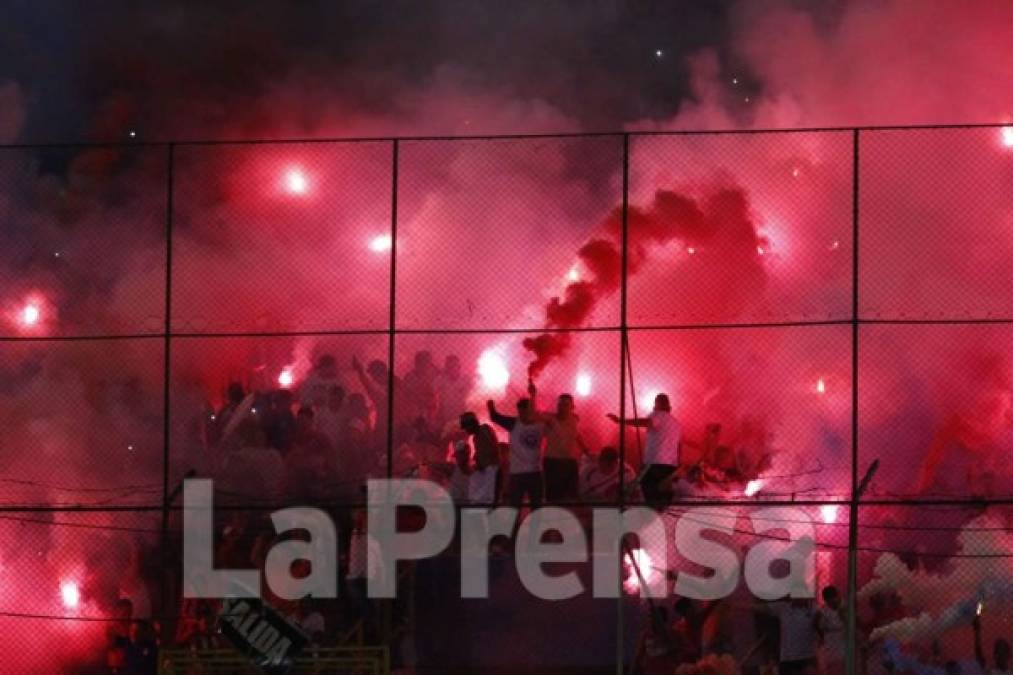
(279, 422)
(452, 389)
(375, 379)
(798, 635)
(309, 466)
(830, 622)
(118, 635)
(563, 447)
(330, 417)
(661, 452)
(254, 471)
(484, 440)
(527, 431)
(419, 387)
(483, 483)
(220, 420)
(357, 452)
(315, 387)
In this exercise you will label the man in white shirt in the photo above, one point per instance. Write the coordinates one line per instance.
(661, 451)
(313, 391)
(831, 626)
(527, 431)
(799, 635)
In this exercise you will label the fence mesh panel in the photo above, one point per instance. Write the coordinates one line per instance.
(820, 308)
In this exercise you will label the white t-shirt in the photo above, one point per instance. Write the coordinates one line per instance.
(662, 446)
(330, 423)
(526, 447)
(833, 635)
(798, 634)
(482, 486)
(459, 482)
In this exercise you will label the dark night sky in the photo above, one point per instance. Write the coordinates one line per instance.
(97, 69)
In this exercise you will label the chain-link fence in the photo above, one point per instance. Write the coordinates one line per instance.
(827, 312)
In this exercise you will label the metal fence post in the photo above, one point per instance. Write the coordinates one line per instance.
(623, 349)
(852, 636)
(167, 371)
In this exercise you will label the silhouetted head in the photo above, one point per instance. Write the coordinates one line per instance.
(469, 422)
(564, 405)
(608, 458)
(661, 402)
(377, 370)
(424, 361)
(327, 366)
(832, 597)
(236, 393)
(524, 410)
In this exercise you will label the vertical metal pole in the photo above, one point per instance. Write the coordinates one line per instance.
(623, 349)
(167, 372)
(387, 630)
(395, 149)
(852, 632)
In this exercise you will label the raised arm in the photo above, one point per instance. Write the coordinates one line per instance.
(641, 422)
(541, 416)
(504, 421)
(373, 391)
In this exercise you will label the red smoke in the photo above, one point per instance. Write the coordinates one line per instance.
(718, 219)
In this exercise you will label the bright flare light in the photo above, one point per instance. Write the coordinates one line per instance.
(31, 314)
(70, 594)
(632, 583)
(380, 243)
(286, 378)
(583, 384)
(821, 386)
(753, 487)
(1007, 136)
(492, 369)
(573, 274)
(829, 513)
(295, 182)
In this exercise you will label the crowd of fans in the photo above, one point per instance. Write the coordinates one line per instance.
(319, 441)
